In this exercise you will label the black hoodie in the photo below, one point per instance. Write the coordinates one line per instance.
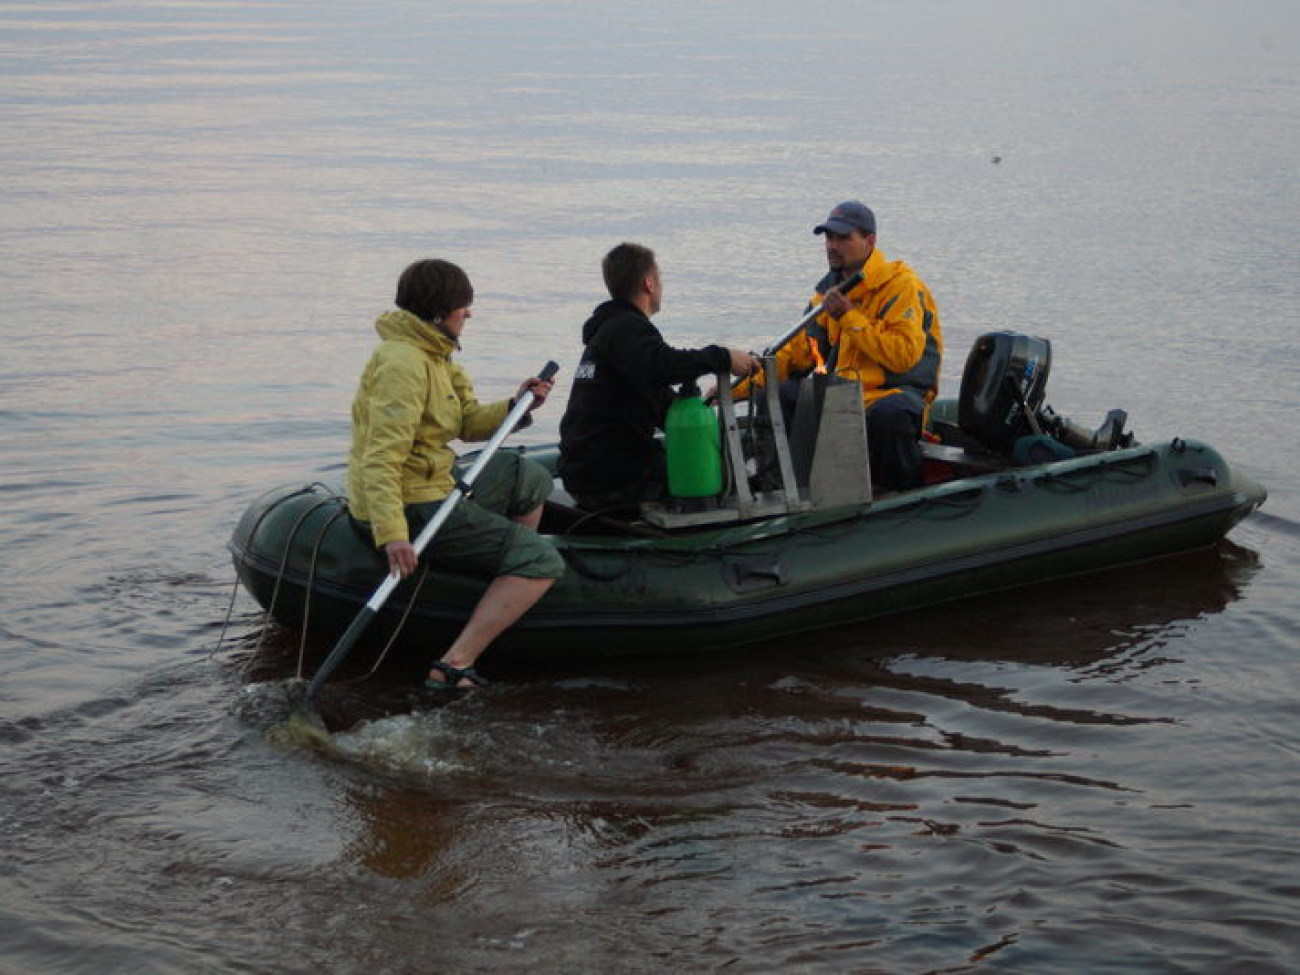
(620, 395)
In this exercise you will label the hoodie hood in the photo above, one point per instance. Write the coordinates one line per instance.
(402, 326)
(603, 313)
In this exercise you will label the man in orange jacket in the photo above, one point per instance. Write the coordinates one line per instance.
(884, 334)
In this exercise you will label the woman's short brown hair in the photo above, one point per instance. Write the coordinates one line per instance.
(433, 289)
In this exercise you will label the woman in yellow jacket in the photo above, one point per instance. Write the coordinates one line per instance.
(412, 401)
(884, 334)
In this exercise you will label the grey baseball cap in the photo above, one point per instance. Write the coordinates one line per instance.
(848, 217)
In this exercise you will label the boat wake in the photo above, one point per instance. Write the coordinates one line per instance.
(1276, 523)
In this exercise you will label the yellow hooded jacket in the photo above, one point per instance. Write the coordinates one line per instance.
(889, 340)
(411, 403)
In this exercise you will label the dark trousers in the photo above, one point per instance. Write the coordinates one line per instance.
(624, 501)
(894, 441)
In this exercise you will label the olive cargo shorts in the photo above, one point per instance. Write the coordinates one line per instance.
(479, 536)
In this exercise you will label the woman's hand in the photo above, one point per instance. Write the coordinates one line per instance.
(536, 388)
(402, 559)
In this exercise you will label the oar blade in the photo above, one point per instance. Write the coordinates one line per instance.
(340, 651)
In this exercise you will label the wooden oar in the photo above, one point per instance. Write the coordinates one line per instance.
(391, 581)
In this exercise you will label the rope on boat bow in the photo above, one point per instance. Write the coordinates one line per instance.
(331, 497)
(266, 616)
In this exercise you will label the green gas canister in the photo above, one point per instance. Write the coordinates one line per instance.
(693, 446)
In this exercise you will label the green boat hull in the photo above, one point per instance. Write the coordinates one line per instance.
(298, 553)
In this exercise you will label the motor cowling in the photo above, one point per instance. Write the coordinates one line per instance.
(1003, 387)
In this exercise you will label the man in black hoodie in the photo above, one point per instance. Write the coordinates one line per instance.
(610, 460)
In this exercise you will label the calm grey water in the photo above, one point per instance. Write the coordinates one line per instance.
(205, 203)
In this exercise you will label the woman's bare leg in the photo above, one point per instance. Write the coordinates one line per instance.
(505, 600)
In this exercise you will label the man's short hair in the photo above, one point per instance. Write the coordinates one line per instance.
(625, 269)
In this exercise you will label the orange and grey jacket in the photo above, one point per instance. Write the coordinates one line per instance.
(411, 403)
(889, 341)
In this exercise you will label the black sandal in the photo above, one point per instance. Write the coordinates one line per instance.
(452, 677)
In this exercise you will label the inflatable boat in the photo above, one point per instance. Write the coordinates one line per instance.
(795, 539)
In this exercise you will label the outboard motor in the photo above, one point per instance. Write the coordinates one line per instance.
(1001, 403)
(1111, 435)
(1003, 387)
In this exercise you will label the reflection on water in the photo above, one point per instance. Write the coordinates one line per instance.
(400, 833)
(1077, 622)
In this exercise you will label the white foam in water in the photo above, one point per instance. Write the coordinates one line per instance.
(414, 745)
(263, 703)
